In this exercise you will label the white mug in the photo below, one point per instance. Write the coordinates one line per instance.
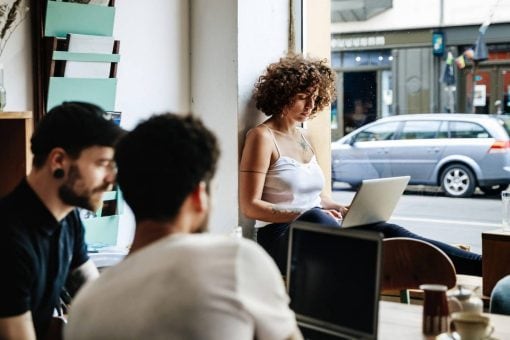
(472, 326)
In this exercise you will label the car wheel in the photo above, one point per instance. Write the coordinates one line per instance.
(494, 189)
(458, 181)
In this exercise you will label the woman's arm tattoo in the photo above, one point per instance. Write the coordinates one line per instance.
(254, 171)
(279, 210)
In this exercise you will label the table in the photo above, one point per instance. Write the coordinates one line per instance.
(402, 321)
(496, 252)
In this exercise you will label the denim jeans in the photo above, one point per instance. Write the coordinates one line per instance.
(274, 239)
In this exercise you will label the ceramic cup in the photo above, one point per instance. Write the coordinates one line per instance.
(472, 326)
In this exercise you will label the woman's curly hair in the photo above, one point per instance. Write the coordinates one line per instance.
(294, 74)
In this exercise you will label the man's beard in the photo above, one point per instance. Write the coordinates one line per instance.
(85, 199)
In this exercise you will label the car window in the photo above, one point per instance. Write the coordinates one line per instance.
(443, 130)
(467, 130)
(425, 129)
(383, 131)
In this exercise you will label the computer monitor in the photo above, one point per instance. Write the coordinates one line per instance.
(333, 280)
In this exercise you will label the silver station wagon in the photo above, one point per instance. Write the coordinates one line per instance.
(455, 151)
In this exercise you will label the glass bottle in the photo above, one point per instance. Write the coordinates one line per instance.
(505, 212)
(2, 89)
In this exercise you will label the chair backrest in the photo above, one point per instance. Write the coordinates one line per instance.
(408, 263)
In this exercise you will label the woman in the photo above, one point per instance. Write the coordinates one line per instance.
(280, 179)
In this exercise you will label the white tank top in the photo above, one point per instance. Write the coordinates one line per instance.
(291, 184)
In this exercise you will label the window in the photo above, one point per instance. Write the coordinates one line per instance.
(384, 131)
(443, 130)
(425, 129)
(467, 130)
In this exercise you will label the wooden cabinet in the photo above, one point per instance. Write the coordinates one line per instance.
(496, 252)
(15, 156)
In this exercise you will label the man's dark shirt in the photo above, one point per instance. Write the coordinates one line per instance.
(36, 254)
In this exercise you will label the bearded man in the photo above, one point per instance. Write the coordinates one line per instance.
(41, 235)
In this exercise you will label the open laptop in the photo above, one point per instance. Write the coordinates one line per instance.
(333, 280)
(375, 201)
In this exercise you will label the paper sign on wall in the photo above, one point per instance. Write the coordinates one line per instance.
(480, 95)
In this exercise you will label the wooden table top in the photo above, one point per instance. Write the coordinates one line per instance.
(16, 115)
(401, 321)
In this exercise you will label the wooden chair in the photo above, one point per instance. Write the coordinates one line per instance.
(408, 263)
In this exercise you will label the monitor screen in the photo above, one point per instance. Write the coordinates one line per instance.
(333, 278)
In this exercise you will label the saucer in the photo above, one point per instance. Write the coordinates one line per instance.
(448, 336)
(455, 336)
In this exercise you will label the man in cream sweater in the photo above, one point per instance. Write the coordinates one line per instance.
(179, 282)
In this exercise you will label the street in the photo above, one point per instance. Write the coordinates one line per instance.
(429, 213)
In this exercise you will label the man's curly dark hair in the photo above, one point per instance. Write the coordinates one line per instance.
(162, 161)
(73, 126)
(294, 74)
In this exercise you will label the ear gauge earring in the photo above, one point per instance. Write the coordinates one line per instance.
(58, 173)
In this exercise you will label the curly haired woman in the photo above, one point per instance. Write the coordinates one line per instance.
(280, 179)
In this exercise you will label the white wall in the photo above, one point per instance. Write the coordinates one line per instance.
(154, 69)
(17, 62)
(426, 13)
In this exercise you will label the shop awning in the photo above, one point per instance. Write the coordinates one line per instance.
(357, 10)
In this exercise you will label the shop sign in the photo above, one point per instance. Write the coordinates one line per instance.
(357, 42)
(438, 44)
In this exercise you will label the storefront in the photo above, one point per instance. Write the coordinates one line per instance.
(388, 73)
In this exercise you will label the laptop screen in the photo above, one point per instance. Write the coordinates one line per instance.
(333, 279)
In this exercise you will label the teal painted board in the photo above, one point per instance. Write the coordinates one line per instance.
(68, 17)
(86, 57)
(97, 91)
(101, 231)
(109, 196)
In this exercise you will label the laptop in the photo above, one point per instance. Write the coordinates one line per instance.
(375, 201)
(333, 280)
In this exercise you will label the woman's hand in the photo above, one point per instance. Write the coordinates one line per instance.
(338, 212)
(330, 205)
(337, 215)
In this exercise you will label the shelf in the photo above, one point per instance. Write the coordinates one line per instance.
(86, 57)
(98, 91)
(68, 17)
(101, 231)
(16, 115)
(62, 20)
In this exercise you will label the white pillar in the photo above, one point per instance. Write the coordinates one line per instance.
(232, 41)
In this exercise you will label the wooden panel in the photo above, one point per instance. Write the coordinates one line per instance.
(15, 161)
(496, 252)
